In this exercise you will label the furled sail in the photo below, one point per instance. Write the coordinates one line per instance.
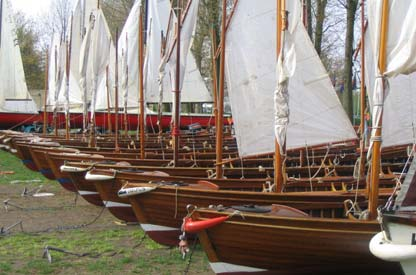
(14, 96)
(316, 115)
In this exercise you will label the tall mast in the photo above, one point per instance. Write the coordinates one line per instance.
(219, 122)
(375, 166)
(176, 120)
(214, 74)
(45, 119)
(141, 94)
(281, 25)
(68, 71)
(362, 93)
(116, 147)
(108, 100)
(55, 111)
(127, 86)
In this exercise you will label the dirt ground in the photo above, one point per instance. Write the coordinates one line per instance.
(67, 214)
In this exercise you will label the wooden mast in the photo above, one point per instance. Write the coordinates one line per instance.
(362, 93)
(141, 93)
(68, 68)
(116, 147)
(55, 111)
(176, 122)
(219, 122)
(127, 85)
(375, 166)
(108, 101)
(278, 162)
(214, 75)
(45, 99)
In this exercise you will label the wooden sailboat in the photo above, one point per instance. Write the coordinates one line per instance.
(393, 39)
(285, 240)
(17, 107)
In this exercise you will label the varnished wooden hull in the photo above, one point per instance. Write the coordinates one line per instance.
(287, 245)
(86, 188)
(166, 205)
(119, 207)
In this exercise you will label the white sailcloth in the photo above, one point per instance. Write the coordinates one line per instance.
(14, 96)
(56, 71)
(96, 53)
(400, 57)
(74, 97)
(316, 115)
(128, 45)
(286, 66)
(399, 116)
(193, 86)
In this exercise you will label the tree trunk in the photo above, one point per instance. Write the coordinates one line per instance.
(309, 17)
(320, 18)
(349, 41)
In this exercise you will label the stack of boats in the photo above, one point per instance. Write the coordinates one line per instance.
(318, 218)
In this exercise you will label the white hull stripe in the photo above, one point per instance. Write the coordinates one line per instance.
(153, 227)
(87, 193)
(109, 204)
(221, 267)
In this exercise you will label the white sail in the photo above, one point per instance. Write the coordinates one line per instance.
(128, 45)
(316, 115)
(56, 70)
(73, 97)
(96, 52)
(399, 117)
(400, 59)
(14, 96)
(193, 87)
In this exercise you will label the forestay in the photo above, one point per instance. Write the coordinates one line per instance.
(315, 113)
(14, 96)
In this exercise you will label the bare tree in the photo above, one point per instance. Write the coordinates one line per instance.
(55, 20)
(351, 7)
(309, 17)
(116, 13)
(320, 17)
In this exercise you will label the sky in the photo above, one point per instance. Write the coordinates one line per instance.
(32, 8)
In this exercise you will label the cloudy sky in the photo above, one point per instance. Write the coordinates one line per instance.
(31, 7)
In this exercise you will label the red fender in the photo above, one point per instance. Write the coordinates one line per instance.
(191, 226)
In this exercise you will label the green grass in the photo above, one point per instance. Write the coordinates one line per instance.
(9, 162)
(21, 253)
